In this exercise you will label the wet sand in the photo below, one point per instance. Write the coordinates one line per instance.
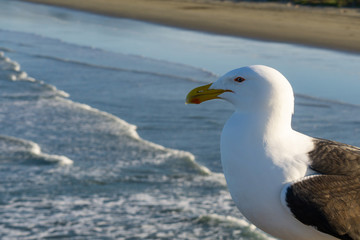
(332, 28)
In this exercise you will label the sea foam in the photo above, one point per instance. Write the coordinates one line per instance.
(163, 154)
(11, 70)
(20, 149)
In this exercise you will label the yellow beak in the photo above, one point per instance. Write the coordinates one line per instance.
(203, 93)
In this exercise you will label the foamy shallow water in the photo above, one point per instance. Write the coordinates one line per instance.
(96, 141)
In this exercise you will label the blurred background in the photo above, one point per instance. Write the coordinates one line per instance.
(96, 141)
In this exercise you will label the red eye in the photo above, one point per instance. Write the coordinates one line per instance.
(239, 79)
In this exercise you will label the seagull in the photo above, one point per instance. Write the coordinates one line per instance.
(290, 185)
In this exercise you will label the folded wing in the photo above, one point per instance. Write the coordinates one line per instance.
(329, 201)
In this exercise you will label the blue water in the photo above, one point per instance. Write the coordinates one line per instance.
(97, 143)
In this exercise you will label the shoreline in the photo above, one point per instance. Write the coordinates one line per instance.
(321, 27)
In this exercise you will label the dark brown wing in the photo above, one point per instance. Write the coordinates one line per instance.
(330, 202)
(329, 157)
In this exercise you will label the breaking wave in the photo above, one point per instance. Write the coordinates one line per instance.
(16, 149)
(11, 71)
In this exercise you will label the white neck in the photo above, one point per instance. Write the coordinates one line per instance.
(266, 125)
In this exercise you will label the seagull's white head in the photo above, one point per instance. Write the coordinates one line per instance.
(252, 89)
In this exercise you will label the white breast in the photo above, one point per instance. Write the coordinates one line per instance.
(256, 170)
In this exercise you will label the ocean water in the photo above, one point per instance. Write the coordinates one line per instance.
(97, 143)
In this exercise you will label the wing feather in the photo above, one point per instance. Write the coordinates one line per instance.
(330, 201)
(330, 157)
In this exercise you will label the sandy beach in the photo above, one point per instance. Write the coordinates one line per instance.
(332, 28)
